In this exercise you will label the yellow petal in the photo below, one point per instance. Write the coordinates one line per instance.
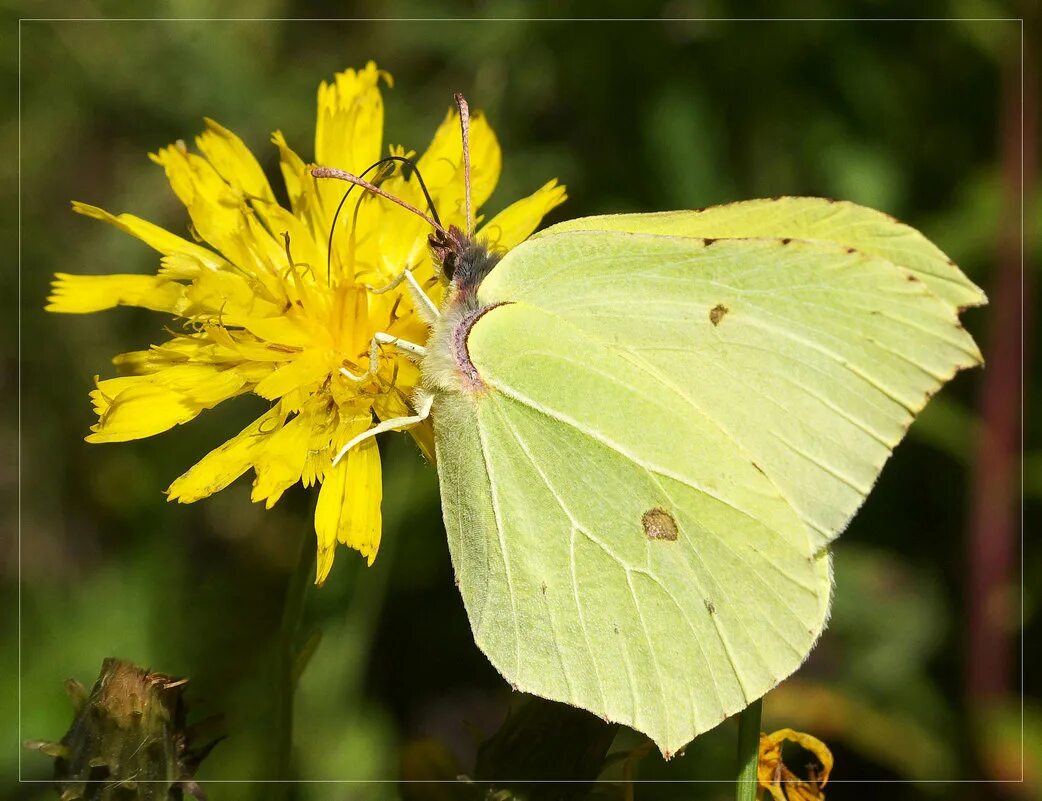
(388, 405)
(211, 203)
(303, 190)
(516, 222)
(179, 393)
(197, 348)
(221, 466)
(291, 330)
(779, 780)
(246, 345)
(159, 238)
(230, 296)
(306, 369)
(181, 267)
(141, 410)
(442, 166)
(328, 429)
(139, 362)
(105, 392)
(349, 127)
(233, 161)
(280, 459)
(309, 258)
(81, 294)
(812, 744)
(348, 509)
(323, 561)
(219, 213)
(202, 384)
(293, 171)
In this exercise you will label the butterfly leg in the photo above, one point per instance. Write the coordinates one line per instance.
(428, 311)
(381, 338)
(411, 348)
(392, 424)
(374, 361)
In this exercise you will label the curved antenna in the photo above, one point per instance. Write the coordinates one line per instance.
(343, 200)
(464, 122)
(351, 178)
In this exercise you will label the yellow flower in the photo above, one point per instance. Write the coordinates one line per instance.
(777, 779)
(260, 313)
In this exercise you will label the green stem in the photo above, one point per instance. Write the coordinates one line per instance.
(292, 614)
(748, 751)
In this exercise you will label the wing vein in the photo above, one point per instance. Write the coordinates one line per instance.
(523, 443)
(502, 546)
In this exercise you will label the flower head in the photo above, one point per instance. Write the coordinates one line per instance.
(128, 732)
(266, 306)
(777, 779)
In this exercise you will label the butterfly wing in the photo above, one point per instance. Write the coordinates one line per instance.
(812, 218)
(812, 357)
(668, 434)
(613, 550)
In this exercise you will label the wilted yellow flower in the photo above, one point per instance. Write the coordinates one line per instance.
(260, 313)
(777, 779)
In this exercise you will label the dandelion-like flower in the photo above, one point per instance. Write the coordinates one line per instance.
(774, 776)
(276, 302)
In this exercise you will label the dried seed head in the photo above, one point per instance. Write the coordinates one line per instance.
(127, 740)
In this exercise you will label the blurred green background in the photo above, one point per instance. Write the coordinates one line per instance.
(919, 119)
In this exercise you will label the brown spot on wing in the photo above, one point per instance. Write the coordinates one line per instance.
(716, 314)
(659, 525)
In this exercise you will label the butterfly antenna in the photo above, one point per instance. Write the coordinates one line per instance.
(365, 172)
(464, 121)
(351, 178)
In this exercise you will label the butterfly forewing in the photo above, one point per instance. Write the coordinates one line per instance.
(812, 218)
(812, 360)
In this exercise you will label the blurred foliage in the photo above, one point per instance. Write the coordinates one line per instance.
(903, 116)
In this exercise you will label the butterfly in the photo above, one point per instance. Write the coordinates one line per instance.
(649, 429)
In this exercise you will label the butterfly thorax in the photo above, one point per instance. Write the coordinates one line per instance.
(464, 262)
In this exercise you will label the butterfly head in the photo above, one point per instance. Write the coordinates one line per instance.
(463, 260)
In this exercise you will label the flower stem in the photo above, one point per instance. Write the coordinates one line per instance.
(748, 751)
(292, 614)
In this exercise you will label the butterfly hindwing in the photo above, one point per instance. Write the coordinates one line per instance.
(644, 571)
